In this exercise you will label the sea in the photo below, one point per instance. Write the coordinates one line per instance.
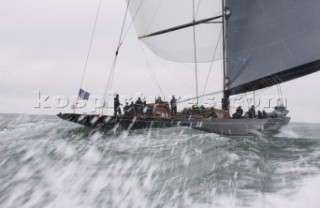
(48, 162)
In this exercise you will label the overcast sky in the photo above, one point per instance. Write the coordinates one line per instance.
(44, 43)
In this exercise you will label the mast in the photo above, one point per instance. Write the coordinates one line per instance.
(166, 47)
(251, 47)
(195, 51)
(225, 99)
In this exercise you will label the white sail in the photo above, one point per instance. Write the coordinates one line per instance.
(155, 15)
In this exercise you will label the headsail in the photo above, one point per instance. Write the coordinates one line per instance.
(157, 15)
(271, 41)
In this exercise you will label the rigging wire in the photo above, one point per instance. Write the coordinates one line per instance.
(197, 11)
(120, 42)
(91, 41)
(153, 18)
(210, 68)
(218, 92)
(170, 71)
(151, 72)
(280, 94)
(205, 95)
(279, 90)
(188, 67)
(90, 46)
(131, 23)
(243, 97)
(111, 74)
(122, 37)
(245, 94)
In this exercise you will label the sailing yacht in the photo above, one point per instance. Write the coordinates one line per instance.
(261, 44)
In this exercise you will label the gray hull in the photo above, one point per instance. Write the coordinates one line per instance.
(229, 127)
(243, 127)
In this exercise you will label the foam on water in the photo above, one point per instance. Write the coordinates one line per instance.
(46, 162)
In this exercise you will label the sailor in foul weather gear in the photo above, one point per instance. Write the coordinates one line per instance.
(116, 105)
(173, 104)
(126, 109)
(252, 112)
(238, 113)
(264, 114)
(158, 100)
(139, 102)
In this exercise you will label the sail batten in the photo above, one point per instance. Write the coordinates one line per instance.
(270, 42)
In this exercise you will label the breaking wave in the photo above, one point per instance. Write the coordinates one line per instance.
(47, 162)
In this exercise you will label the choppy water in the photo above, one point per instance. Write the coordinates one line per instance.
(47, 162)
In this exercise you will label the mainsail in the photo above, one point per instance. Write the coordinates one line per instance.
(267, 42)
(155, 15)
(271, 41)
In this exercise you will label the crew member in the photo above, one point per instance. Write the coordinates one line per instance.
(131, 109)
(116, 105)
(173, 104)
(252, 112)
(264, 114)
(238, 113)
(126, 109)
(158, 100)
(139, 102)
